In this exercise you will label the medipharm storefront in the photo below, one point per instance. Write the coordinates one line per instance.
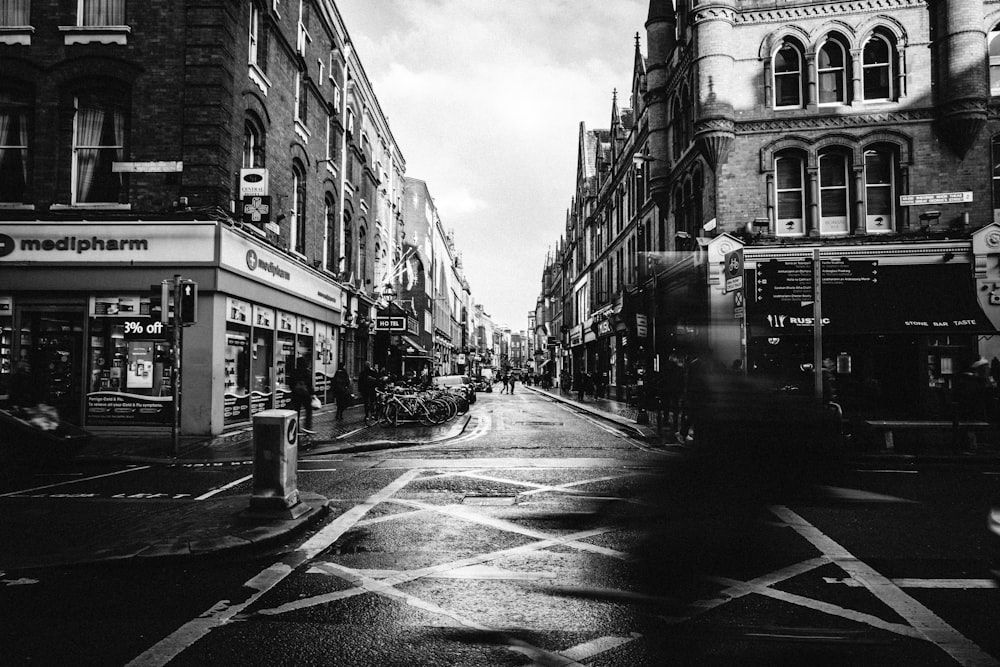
(75, 307)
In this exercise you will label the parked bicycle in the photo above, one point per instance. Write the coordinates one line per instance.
(399, 405)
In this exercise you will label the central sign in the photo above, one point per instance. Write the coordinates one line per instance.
(390, 324)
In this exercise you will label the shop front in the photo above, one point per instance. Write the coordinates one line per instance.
(75, 302)
(896, 332)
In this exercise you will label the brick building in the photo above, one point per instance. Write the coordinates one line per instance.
(129, 134)
(861, 135)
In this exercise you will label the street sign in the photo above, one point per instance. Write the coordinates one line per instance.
(786, 280)
(641, 326)
(733, 270)
(791, 280)
(739, 304)
(935, 198)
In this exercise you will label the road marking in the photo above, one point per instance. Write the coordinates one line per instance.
(588, 650)
(223, 611)
(893, 472)
(844, 493)
(467, 514)
(926, 622)
(922, 583)
(403, 577)
(225, 487)
(75, 481)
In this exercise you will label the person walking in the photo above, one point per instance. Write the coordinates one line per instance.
(367, 382)
(503, 381)
(300, 381)
(511, 380)
(341, 390)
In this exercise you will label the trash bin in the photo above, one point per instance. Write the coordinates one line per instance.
(275, 460)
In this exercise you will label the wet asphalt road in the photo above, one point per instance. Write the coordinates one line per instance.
(543, 536)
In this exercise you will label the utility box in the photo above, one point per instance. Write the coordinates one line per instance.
(275, 461)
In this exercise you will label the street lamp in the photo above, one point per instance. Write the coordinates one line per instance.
(388, 293)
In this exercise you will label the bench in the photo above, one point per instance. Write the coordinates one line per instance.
(886, 427)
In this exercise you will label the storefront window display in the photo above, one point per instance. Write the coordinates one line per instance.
(284, 358)
(261, 360)
(6, 345)
(236, 405)
(128, 365)
(324, 366)
(304, 344)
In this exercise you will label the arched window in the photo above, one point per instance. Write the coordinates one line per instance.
(15, 110)
(790, 195)
(994, 51)
(332, 245)
(995, 149)
(880, 185)
(362, 254)
(834, 206)
(878, 64)
(831, 72)
(787, 72)
(253, 143)
(99, 131)
(298, 221)
(348, 265)
(676, 130)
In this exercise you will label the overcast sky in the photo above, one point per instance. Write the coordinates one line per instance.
(485, 99)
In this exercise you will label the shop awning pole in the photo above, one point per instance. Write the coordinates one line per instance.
(817, 327)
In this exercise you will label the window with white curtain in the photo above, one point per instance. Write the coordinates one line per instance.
(789, 184)
(298, 222)
(99, 126)
(253, 54)
(101, 12)
(831, 70)
(15, 107)
(880, 170)
(15, 13)
(833, 194)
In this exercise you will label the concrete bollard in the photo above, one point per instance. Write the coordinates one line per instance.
(275, 465)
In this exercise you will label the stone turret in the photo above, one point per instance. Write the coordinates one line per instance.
(713, 66)
(661, 40)
(964, 91)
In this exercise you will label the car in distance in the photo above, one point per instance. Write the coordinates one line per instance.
(462, 383)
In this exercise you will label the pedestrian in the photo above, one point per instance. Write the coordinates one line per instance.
(693, 401)
(301, 384)
(503, 381)
(512, 379)
(367, 382)
(589, 384)
(671, 389)
(341, 390)
(578, 385)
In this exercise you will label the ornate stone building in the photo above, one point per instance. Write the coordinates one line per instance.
(856, 138)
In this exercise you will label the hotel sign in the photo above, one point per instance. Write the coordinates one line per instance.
(390, 324)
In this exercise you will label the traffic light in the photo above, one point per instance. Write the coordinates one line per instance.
(188, 310)
(158, 296)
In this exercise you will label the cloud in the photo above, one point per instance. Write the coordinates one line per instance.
(485, 99)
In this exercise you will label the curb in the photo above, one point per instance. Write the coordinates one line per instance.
(262, 535)
(381, 445)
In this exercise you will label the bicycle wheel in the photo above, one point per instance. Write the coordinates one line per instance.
(391, 414)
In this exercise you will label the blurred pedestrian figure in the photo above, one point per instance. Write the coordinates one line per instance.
(578, 385)
(511, 380)
(301, 384)
(565, 381)
(589, 384)
(693, 398)
(367, 383)
(671, 389)
(341, 390)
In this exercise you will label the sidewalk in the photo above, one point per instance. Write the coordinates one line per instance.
(39, 528)
(986, 452)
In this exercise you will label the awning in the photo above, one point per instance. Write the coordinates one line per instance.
(408, 343)
(915, 299)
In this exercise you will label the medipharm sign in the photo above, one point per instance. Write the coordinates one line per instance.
(130, 243)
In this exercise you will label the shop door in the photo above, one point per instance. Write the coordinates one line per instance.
(51, 341)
